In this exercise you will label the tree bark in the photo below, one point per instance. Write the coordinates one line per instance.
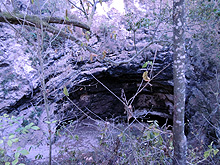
(179, 139)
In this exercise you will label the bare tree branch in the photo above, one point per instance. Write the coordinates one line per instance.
(34, 20)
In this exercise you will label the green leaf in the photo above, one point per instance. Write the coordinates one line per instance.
(67, 18)
(21, 164)
(206, 154)
(123, 138)
(17, 154)
(1, 141)
(77, 137)
(24, 131)
(156, 133)
(15, 140)
(24, 152)
(65, 91)
(87, 38)
(115, 35)
(9, 142)
(54, 121)
(29, 126)
(18, 149)
(14, 162)
(48, 122)
(32, 1)
(216, 151)
(146, 63)
(6, 115)
(35, 128)
(7, 163)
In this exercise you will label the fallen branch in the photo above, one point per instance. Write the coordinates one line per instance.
(32, 20)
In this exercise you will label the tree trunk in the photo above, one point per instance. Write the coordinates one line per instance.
(179, 139)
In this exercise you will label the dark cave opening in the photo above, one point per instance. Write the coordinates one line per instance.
(105, 99)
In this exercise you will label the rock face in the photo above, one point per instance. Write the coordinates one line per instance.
(202, 95)
(67, 64)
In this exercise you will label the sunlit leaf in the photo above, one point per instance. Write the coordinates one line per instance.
(14, 162)
(18, 149)
(15, 140)
(210, 146)
(29, 126)
(9, 142)
(65, 91)
(48, 122)
(11, 136)
(35, 128)
(54, 121)
(6, 115)
(24, 131)
(24, 152)
(216, 151)
(146, 63)
(17, 154)
(1, 141)
(206, 154)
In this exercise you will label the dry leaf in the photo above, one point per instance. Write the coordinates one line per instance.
(145, 76)
(91, 56)
(68, 27)
(104, 54)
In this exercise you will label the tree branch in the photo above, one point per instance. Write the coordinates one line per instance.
(34, 20)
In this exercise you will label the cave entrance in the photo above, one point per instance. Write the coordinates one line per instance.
(155, 102)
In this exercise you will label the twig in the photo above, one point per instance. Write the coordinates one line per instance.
(107, 89)
(132, 99)
(134, 56)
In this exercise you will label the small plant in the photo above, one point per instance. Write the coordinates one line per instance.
(211, 152)
(6, 141)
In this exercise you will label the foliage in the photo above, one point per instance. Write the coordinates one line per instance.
(7, 140)
(203, 24)
(131, 146)
(210, 152)
(133, 24)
